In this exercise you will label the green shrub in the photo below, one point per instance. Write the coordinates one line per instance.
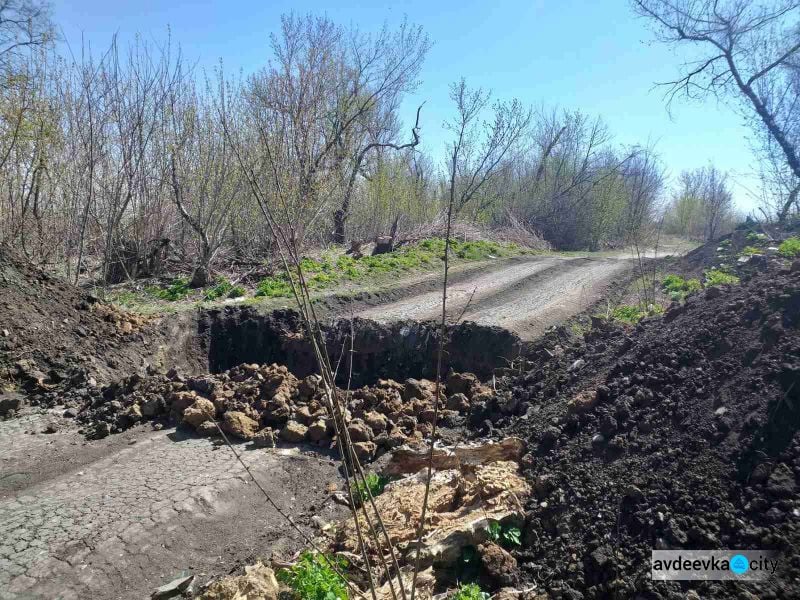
(177, 290)
(237, 291)
(470, 591)
(374, 484)
(312, 577)
(789, 247)
(720, 277)
(224, 289)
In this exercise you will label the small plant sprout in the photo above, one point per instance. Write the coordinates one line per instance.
(678, 288)
(373, 485)
(470, 591)
(507, 536)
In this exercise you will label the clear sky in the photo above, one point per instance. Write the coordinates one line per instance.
(595, 56)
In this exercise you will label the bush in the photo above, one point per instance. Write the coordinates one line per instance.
(470, 591)
(177, 290)
(678, 288)
(720, 277)
(789, 247)
(312, 577)
(756, 238)
(374, 485)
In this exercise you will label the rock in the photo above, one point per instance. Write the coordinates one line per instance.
(549, 436)
(462, 383)
(760, 473)
(303, 415)
(265, 438)
(582, 402)
(51, 427)
(201, 411)
(176, 587)
(458, 402)
(608, 426)
(599, 565)
(9, 403)
(99, 431)
(153, 407)
(277, 412)
(317, 431)
(240, 425)
(365, 451)
(70, 413)
(308, 386)
(257, 583)
(415, 388)
(781, 482)
(376, 421)
(294, 432)
(577, 365)
(359, 431)
(207, 429)
(499, 565)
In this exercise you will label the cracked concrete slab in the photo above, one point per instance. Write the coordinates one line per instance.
(118, 518)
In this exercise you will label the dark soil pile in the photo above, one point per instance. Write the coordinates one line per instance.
(53, 335)
(262, 403)
(678, 434)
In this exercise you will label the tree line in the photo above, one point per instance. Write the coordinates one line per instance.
(112, 161)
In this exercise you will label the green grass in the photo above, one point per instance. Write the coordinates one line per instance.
(224, 289)
(312, 578)
(678, 288)
(720, 277)
(373, 484)
(328, 271)
(631, 314)
(469, 591)
(790, 247)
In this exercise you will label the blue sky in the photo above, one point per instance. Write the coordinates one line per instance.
(593, 56)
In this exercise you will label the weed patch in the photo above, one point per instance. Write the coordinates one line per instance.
(720, 277)
(312, 578)
(177, 290)
(631, 314)
(373, 485)
(790, 247)
(224, 289)
(678, 288)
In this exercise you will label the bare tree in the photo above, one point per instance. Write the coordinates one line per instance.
(750, 52)
(24, 25)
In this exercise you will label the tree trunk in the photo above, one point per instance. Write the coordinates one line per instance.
(339, 220)
(792, 199)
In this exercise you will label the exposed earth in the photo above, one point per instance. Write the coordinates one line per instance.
(677, 433)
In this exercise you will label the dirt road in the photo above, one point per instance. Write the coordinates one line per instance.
(525, 295)
(119, 517)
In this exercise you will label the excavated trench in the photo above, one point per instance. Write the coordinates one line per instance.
(234, 335)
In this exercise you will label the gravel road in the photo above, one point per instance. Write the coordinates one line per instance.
(526, 295)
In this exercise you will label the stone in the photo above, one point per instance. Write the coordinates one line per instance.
(240, 425)
(781, 482)
(498, 564)
(258, 582)
(359, 431)
(317, 431)
(462, 383)
(459, 402)
(176, 587)
(201, 411)
(207, 429)
(365, 451)
(265, 438)
(376, 421)
(577, 365)
(294, 432)
(9, 403)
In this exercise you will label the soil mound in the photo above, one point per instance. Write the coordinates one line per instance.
(53, 334)
(679, 434)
